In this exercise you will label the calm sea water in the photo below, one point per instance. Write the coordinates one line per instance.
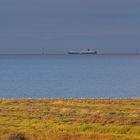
(65, 76)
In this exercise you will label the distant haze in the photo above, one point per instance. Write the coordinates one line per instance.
(27, 26)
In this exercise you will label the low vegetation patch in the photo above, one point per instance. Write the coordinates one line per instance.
(69, 119)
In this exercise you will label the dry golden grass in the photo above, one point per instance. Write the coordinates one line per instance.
(69, 119)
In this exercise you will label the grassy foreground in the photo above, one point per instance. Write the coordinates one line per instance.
(70, 119)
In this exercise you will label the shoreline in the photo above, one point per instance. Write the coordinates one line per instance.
(100, 98)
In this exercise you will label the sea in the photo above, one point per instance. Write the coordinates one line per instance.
(69, 76)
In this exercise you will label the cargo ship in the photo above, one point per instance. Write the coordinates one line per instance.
(88, 51)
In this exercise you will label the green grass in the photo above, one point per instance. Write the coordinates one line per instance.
(70, 119)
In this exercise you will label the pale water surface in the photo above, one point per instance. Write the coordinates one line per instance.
(65, 76)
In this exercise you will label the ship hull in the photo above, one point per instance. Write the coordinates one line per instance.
(82, 52)
(89, 52)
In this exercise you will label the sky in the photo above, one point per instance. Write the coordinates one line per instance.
(27, 26)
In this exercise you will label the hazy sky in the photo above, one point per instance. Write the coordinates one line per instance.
(26, 26)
